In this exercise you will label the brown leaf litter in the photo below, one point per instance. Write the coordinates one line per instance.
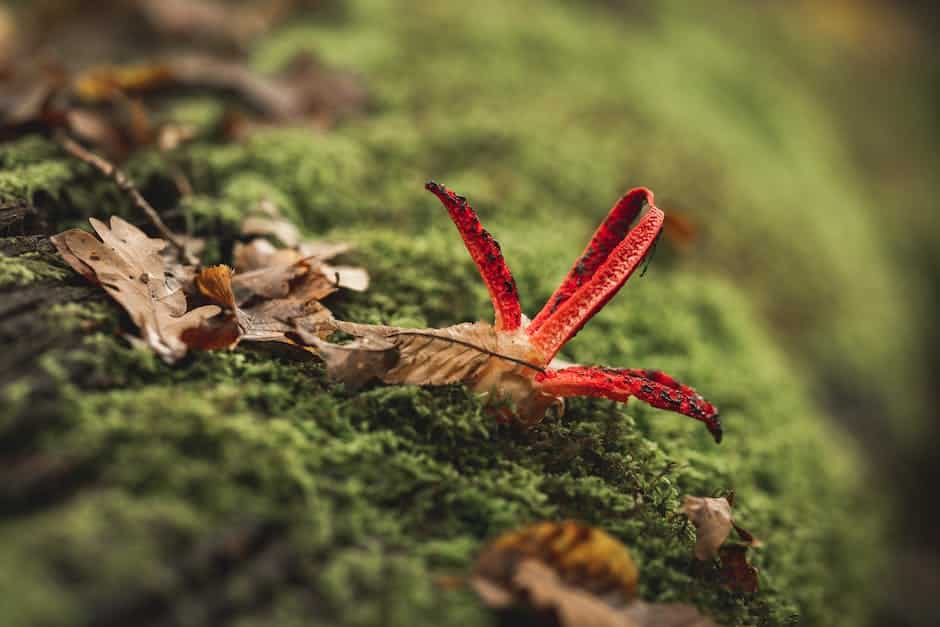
(571, 575)
(713, 523)
(277, 296)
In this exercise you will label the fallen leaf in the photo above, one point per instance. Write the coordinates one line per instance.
(265, 321)
(565, 606)
(357, 362)
(299, 269)
(301, 280)
(568, 574)
(713, 523)
(712, 520)
(492, 364)
(215, 283)
(582, 556)
(127, 264)
(268, 220)
(737, 574)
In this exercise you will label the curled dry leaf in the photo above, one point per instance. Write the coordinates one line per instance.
(580, 555)
(569, 574)
(269, 272)
(128, 265)
(713, 523)
(712, 520)
(274, 293)
(263, 321)
(737, 574)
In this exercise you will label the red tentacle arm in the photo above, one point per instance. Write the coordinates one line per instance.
(486, 255)
(610, 233)
(650, 386)
(573, 313)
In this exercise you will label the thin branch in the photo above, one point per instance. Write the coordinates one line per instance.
(127, 186)
(454, 340)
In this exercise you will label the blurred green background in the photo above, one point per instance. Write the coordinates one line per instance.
(795, 142)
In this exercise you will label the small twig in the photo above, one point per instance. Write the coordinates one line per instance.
(127, 186)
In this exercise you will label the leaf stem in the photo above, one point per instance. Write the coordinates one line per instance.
(127, 186)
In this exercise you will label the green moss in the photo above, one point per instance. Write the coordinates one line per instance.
(373, 494)
(245, 487)
(26, 269)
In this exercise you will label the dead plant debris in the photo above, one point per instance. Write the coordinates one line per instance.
(128, 266)
(275, 300)
(713, 523)
(569, 574)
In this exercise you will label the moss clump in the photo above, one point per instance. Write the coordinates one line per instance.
(26, 269)
(342, 507)
(246, 488)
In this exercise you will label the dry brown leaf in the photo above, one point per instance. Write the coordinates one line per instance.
(267, 282)
(737, 574)
(492, 364)
(712, 520)
(463, 352)
(267, 271)
(127, 264)
(567, 606)
(357, 362)
(271, 222)
(571, 575)
(582, 556)
(299, 269)
(265, 321)
(215, 283)
(274, 293)
(713, 523)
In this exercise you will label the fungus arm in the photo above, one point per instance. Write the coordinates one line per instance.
(486, 255)
(650, 386)
(572, 314)
(610, 233)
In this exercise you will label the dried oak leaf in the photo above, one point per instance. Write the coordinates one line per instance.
(271, 272)
(492, 364)
(263, 321)
(569, 574)
(128, 265)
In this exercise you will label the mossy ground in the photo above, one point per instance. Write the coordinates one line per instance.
(245, 488)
